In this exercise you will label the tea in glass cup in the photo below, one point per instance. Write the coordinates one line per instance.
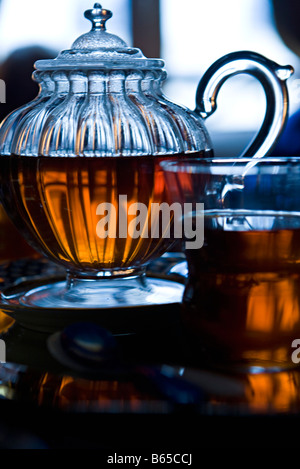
(241, 304)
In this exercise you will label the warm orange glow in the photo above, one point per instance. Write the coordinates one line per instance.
(59, 197)
(81, 394)
(5, 323)
(273, 392)
(273, 306)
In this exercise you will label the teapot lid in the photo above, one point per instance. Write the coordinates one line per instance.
(99, 49)
(101, 98)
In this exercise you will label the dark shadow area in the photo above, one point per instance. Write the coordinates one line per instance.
(16, 71)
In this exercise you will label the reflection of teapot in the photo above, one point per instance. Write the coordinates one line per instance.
(96, 132)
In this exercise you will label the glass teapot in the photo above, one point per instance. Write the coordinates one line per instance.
(80, 165)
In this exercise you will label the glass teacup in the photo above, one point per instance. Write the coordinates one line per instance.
(241, 305)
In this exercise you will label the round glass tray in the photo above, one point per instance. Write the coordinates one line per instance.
(127, 306)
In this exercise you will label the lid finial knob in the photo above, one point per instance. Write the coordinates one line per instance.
(98, 16)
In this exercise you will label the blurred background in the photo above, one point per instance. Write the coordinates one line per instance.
(188, 35)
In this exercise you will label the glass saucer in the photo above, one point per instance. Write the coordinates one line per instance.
(124, 305)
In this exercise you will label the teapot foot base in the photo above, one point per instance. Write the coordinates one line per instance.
(122, 305)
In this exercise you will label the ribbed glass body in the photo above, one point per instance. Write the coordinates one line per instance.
(102, 113)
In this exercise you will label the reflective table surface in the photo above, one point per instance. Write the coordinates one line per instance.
(55, 388)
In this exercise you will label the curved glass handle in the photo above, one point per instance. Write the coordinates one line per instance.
(273, 79)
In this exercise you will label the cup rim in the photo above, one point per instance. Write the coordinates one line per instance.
(194, 165)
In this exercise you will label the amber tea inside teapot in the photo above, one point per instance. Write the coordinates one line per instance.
(79, 162)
